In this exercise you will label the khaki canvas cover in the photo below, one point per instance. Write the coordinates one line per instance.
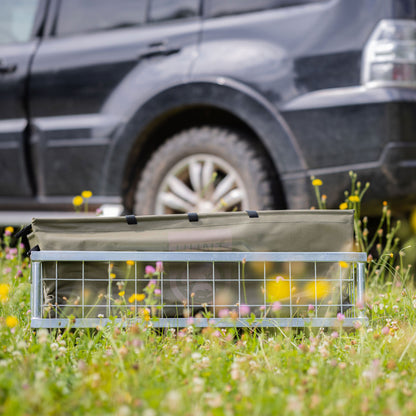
(277, 231)
(297, 231)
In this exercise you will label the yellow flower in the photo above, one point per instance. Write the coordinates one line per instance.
(11, 321)
(323, 289)
(130, 263)
(112, 275)
(136, 297)
(77, 201)
(316, 182)
(122, 293)
(354, 198)
(343, 264)
(86, 194)
(278, 290)
(344, 205)
(413, 221)
(9, 230)
(4, 292)
(145, 314)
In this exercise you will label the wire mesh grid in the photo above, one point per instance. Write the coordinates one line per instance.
(175, 289)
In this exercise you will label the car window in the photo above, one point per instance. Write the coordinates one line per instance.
(17, 18)
(161, 10)
(80, 16)
(218, 8)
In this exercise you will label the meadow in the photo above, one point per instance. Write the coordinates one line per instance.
(369, 370)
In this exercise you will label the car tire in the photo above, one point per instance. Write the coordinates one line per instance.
(206, 169)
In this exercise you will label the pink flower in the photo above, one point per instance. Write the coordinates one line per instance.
(7, 233)
(244, 309)
(216, 334)
(311, 308)
(357, 324)
(276, 306)
(360, 305)
(152, 282)
(334, 334)
(385, 330)
(149, 270)
(159, 266)
(223, 313)
(190, 321)
(158, 292)
(340, 316)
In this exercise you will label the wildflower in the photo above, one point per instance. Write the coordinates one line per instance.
(158, 292)
(8, 231)
(122, 293)
(174, 399)
(77, 201)
(278, 290)
(136, 297)
(42, 336)
(130, 263)
(334, 335)
(223, 313)
(343, 264)
(385, 330)
(112, 275)
(354, 198)
(244, 309)
(311, 308)
(319, 289)
(152, 282)
(276, 306)
(159, 266)
(357, 324)
(11, 321)
(340, 316)
(149, 270)
(86, 194)
(100, 315)
(385, 203)
(344, 205)
(316, 182)
(145, 313)
(4, 292)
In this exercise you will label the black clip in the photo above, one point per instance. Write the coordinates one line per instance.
(131, 219)
(252, 214)
(193, 217)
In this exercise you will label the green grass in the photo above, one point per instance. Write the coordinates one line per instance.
(138, 371)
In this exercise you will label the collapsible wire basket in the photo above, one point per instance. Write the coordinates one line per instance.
(176, 289)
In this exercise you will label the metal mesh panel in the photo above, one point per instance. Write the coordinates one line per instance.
(180, 288)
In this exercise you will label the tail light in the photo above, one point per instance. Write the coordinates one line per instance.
(390, 55)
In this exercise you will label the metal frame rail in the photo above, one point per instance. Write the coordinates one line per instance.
(356, 262)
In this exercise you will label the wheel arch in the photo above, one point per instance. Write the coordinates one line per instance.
(225, 103)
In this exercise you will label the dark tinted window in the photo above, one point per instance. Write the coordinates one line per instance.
(217, 8)
(78, 16)
(172, 9)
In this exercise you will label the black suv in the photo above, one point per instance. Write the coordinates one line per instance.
(170, 106)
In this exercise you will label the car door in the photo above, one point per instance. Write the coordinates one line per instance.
(18, 21)
(99, 54)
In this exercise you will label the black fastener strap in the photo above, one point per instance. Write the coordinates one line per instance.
(193, 217)
(24, 231)
(252, 214)
(131, 219)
